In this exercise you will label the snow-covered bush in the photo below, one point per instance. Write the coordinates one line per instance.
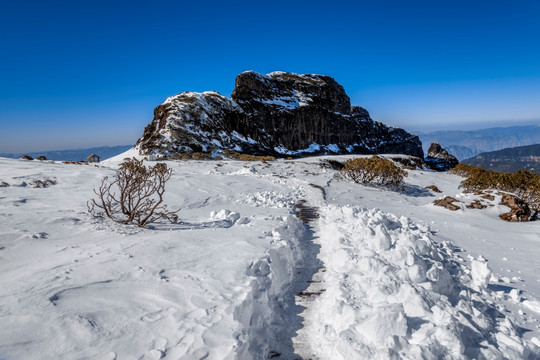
(374, 170)
(135, 195)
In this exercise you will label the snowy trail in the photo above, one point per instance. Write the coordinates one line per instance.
(276, 317)
(225, 282)
(306, 291)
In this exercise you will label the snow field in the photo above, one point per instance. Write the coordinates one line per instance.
(392, 293)
(78, 287)
(221, 283)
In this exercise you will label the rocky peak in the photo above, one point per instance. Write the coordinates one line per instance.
(277, 113)
(290, 91)
(439, 159)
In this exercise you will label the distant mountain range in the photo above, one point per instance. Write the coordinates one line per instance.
(104, 152)
(466, 144)
(509, 160)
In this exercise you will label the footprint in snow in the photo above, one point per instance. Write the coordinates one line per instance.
(151, 317)
(106, 356)
(41, 235)
(158, 350)
(153, 355)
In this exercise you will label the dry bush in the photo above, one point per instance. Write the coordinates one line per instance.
(135, 195)
(374, 170)
(192, 156)
(248, 157)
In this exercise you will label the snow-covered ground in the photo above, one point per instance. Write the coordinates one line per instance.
(378, 274)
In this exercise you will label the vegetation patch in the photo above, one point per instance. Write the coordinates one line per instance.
(192, 156)
(247, 157)
(374, 170)
(523, 183)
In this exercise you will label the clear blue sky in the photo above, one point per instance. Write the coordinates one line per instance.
(89, 73)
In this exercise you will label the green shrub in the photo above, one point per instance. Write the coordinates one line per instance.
(374, 170)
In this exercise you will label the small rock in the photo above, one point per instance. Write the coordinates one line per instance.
(433, 188)
(447, 202)
(476, 204)
(488, 197)
(519, 210)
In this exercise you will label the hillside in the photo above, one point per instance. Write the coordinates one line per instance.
(466, 144)
(372, 273)
(509, 160)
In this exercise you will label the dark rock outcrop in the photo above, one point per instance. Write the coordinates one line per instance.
(274, 114)
(439, 159)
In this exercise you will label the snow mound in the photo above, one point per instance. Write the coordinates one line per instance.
(393, 293)
(271, 199)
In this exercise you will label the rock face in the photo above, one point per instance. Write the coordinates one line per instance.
(439, 159)
(276, 114)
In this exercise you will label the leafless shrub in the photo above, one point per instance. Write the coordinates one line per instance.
(135, 195)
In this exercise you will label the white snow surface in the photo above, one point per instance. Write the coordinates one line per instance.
(398, 278)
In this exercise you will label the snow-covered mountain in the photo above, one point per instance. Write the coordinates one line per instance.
(372, 274)
(275, 114)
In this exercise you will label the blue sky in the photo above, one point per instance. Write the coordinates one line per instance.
(81, 74)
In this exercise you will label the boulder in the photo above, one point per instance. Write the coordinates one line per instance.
(519, 209)
(447, 202)
(439, 159)
(476, 204)
(433, 188)
(277, 114)
(27, 157)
